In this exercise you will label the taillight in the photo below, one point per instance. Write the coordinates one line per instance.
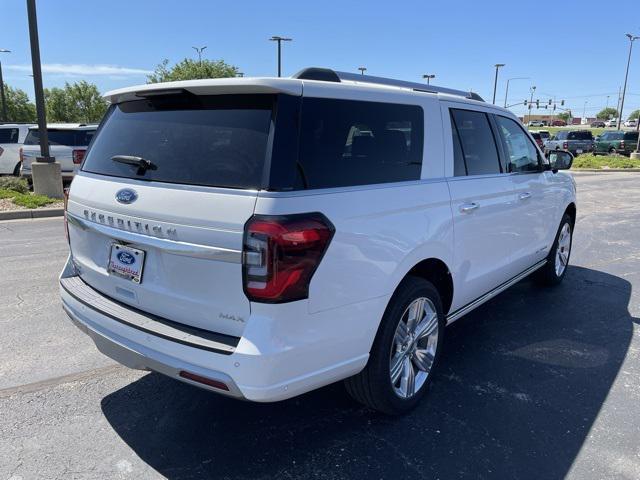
(565, 145)
(621, 144)
(65, 194)
(281, 254)
(78, 156)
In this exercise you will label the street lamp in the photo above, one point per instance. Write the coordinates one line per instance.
(631, 38)
(584, 113)
(429, 77)
(506, 93)
(362, 70)
(532, 90)
(199, 50)
(278, 39)
(4, 100)
(495, 82)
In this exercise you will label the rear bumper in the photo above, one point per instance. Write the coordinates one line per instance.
(259, 368)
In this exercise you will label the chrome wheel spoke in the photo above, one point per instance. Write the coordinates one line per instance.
(416, 312)
(423, 360)
(401, 334)
(427, 326)
(397, 367)
(408, 380)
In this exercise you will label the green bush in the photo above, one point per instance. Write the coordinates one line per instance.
(19, 185)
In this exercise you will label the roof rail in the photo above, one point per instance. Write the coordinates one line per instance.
(328, 75)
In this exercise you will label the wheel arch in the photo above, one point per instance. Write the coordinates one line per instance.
(572, 212)
(438, 273)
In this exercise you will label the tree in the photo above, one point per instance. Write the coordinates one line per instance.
(607, 113)
(80, 102)
(634, 115)
(189, 69)
(565, 116)
(19, 108)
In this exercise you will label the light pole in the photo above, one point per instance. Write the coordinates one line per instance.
(278, 39)
(2, 97)
(47, 178)
(584, 113)
(631, 38)
(607, 107)
(362, 70)
(199, 50)
(429, 76)
(495, 82)
(506, 93)
(532, 90)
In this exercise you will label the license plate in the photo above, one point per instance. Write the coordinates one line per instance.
(579, 150)
(126, 262)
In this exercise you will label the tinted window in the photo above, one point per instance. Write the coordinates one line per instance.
(523, 155)
(8, 135)
(478, 145)
(586, 135)
(70, 138)
(536, 135)
(199, 140)
(561, 136)
(631, 136)
(459, 168)
(345, 143)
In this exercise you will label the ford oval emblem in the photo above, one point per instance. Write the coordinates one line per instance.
(126, 258)
(126, 195)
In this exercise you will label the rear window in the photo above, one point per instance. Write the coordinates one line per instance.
(199, 140)
(66, 137)
(536, 135)
(8, 135)
(349, 143)
(585, 135)
(631, 136)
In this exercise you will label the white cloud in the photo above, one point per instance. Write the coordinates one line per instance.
(81, 69)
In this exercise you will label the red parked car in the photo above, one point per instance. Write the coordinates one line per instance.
(558, 123)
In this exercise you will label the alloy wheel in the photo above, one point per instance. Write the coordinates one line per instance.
(413, 348)
(564, 247)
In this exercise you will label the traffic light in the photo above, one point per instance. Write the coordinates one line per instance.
(537, 103)
(549, 101)
(562, 102)
(525, 103)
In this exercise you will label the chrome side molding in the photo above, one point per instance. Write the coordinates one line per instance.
(452, 317)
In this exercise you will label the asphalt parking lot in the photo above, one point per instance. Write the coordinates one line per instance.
(539, 384)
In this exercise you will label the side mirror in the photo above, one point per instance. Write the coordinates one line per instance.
(560, 160)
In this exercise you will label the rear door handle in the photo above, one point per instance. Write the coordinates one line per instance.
(468, 207)
(525, 196)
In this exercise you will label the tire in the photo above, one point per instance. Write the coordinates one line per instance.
(374, 386)
(556, 267)
(613, 151)
(16, 171)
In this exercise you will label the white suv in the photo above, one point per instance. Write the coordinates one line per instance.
(263, 237)
(12, 136)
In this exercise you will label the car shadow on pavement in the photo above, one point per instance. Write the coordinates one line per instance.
(520, 384)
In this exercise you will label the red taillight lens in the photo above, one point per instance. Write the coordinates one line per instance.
(204, 380)
(621, 144)
(565, 146)
(281, 254)
(65, 194)
(78, 156)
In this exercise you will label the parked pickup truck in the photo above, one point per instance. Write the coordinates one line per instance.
(616, 142)
(574, 141)
(68, 144)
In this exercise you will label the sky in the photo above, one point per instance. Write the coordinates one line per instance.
(567, 48)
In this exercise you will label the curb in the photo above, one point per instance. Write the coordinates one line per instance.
(604, 170)
(36, 213)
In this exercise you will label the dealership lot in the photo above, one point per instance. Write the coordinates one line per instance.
(534, 384)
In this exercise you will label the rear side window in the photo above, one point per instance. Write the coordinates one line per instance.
(561, 136)
(631, 136)
(586, 135)
(477, 142)
(69, 138)
(348, 143)
(8, 135)
(199, 140)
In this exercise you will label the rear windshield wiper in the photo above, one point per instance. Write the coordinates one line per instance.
(142, 163)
